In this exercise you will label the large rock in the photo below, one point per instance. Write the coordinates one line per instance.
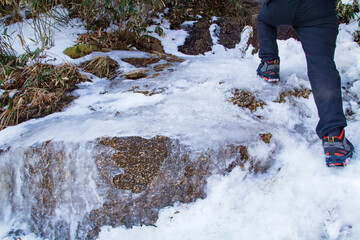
(71, 190)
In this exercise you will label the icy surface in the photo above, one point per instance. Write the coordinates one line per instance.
(299, 198)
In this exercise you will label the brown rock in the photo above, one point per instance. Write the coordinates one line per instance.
(136, 74)
(140, 158)
(161, 67)
(173, 58)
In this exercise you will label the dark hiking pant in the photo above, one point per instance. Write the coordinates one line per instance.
(316, 24)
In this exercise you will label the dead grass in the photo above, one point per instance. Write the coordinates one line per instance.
(120, 40)
(100, 66)
(36, 91)
(298, 93)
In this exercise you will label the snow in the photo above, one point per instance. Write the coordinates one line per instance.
(348, 1)
(298, 198)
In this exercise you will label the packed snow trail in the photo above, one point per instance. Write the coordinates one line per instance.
(298, 198)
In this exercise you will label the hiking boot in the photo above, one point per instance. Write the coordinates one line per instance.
(338, 149)
(269, 70)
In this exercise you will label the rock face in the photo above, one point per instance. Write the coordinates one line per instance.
(155, 173)
(69, 191)
(139, 158)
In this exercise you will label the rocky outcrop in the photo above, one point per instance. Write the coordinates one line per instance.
(142, 176)
(70, 190)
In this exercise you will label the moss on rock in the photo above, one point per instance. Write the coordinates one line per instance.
(80, 50)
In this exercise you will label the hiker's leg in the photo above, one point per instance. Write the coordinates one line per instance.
(317, 27)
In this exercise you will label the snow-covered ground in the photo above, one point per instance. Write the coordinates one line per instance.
(298, 198)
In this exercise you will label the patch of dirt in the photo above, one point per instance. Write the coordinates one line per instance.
(230, 26)
(141, 62)
(121, 40)
(199, 40)
(189, 11)
(230, 31)
(149, 44)
(246, 99)
(298, 93)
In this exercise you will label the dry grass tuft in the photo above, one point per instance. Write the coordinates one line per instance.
(36, 91)
(100, 66)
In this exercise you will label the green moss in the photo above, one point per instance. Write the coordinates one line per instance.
(80, 50)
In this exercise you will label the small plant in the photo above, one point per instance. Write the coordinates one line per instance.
(7, 53)
(347, 12)
(159, 31)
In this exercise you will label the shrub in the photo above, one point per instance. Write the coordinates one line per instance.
(347, 12)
